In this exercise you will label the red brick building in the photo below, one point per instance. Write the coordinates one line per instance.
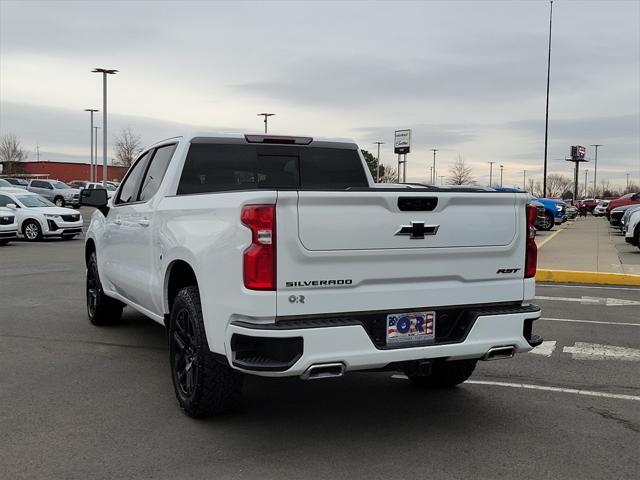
(68, 171)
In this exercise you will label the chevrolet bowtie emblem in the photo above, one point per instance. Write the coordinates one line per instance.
(417, 230)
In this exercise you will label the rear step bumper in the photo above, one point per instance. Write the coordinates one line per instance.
(329, 351)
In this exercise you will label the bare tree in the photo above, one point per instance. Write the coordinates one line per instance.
(534, 187)
(605, 188)
(128, 146)
(460, 173)
(11, 154)
(388, 174)
(557, 184)
(631, 188)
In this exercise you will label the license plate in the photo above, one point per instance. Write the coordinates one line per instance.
(410, 327)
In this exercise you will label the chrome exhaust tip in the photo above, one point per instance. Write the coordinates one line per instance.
(323, 370)
(499, 353)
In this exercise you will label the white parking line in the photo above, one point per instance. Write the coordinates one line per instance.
(594, 351)
(545, 349)
(546, 239)
(575, 391)
(628, 324)
(528, 386)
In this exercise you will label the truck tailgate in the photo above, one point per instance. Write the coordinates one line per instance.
(382, 250)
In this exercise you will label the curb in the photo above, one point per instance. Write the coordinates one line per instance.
(568, 276)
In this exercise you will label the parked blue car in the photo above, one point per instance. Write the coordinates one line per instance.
(555, 210)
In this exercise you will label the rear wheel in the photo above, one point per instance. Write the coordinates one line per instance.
(446, 374)
(102, 310)
(59, 201)
(32, 231)
(548, 221)
(203, 385)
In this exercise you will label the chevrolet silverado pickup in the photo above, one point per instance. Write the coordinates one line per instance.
(279, 256)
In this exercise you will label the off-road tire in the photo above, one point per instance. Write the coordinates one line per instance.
(549, 221)
(32, 231)
(446, 374)
(59, 201)
(101, 309)
(214, 386)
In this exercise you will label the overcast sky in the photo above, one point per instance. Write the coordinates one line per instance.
(468, 77)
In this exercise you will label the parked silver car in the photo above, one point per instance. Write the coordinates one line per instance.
(57, 192)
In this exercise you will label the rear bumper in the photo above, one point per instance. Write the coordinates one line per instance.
(351, 345)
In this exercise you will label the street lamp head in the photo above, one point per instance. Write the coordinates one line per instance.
(265, 114)
(104, 70)
(91, 110)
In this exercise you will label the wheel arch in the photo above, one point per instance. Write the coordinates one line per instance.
(89, 248)
(179, 274)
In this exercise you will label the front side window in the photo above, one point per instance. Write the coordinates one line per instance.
(131, 186)
(4, 201)
(60, 185)
(155, 172)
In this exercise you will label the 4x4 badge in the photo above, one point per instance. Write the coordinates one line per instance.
(417, 230)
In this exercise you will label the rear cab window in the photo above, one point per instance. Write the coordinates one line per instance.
(213, 167)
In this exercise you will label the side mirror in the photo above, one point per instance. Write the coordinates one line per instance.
(95, 198)
(12, 206)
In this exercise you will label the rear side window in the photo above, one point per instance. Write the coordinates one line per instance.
(39, 184)
(216, 168)
(156, 171)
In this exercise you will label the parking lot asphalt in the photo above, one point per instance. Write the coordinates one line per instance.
(85, 402)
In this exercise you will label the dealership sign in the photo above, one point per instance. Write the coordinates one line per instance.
(402, 141)
(578, 152)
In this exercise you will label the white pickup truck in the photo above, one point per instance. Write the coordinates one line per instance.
(279, 256)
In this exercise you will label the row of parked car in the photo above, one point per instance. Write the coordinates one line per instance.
(624, 214)
(37, 209)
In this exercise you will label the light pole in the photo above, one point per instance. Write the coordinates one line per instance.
(501, 168)
(104, 72)
(490, 173)
(628, 182)
(441, 179)
(91, 112)
(524, 180)
(595, 168)
(266, 116)
(378, 161)
(546, 116)
(433, 175)
(586, 175)
(94, 169)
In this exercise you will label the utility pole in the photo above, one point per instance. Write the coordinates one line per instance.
(91, 111)
(266, 116)
(546, 116)
(441, 179)
(524, 180)
(501, 168)
(433, 175)
(490, 173)
(378, 161)
(38, 152)
(104, 72)
(628, 182)
(595, 169)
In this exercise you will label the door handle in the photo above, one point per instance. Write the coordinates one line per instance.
(117, 221)
(144, 222)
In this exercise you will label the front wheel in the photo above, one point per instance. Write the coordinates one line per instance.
(59, 201)
(32, 231)
(446, 374)
(203, 385)
(102, 310)
(549, 222)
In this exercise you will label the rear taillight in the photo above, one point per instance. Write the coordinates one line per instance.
(531, 255)
(259, 260)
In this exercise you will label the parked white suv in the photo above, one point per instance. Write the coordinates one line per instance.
(37, 217)
(632, 228)
(8, 226)
(278, 256)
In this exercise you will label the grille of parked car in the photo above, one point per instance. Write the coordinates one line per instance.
(6, 220)
(71, 218)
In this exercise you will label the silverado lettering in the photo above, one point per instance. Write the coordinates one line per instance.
(318, 283)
